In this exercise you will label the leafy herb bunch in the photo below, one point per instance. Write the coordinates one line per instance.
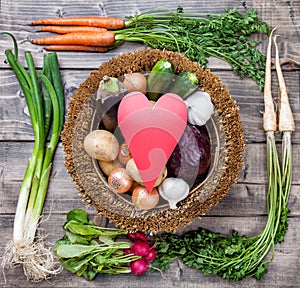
(233, 257)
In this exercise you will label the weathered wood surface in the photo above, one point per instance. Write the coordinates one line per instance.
(244, 208)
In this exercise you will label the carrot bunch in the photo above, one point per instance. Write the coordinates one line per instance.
(86, 33)
(196, 35)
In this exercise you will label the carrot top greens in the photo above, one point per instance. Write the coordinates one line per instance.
(198, 36)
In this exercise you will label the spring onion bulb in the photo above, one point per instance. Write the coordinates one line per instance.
(27, 248)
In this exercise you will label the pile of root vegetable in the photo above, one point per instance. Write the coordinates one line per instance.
(223, 170)
(189, 161)
(199, 36)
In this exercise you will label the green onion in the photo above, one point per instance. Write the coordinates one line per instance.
(46, 109)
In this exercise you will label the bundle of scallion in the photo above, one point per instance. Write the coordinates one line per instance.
(46, 109)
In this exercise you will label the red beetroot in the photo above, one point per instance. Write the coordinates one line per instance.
(140, 248)
(151, 255)
(139, 266)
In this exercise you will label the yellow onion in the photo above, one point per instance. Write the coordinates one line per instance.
(124, 154)
(135, 82)
(135, 174)
(119, 180)
(144, 200)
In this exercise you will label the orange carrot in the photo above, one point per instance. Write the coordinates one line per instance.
(76, 48)
(104, 39)
(70, 29)
(95, 21)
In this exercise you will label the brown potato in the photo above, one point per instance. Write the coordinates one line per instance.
(108, 166)
(101, 145)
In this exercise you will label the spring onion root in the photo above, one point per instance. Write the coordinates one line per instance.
(28, 248)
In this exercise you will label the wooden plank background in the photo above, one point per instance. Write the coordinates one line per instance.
(244, 208)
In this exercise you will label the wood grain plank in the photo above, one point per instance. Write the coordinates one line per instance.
(253, 171)
(247, 197)
(15, 122)
(242, 200)
(283, 270)
(243, 209)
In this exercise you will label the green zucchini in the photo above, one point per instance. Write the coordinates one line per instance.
(185, 84)
(160, 79)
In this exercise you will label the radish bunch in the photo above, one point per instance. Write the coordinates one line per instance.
(140, 247)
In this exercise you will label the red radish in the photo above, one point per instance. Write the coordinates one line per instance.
(127, 251)
(139, 266)
(151, 255)
(140, 248)
(137, 236)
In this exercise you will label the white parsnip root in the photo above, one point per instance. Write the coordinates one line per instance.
(286, 119)
(269, 116)
(279, 174)
(286, 126)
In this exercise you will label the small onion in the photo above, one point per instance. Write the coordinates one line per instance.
(101, 145)
(135, 174)
(173, 190)
(143, 200)
(135, 82)
(119, 180)
(124, 154)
